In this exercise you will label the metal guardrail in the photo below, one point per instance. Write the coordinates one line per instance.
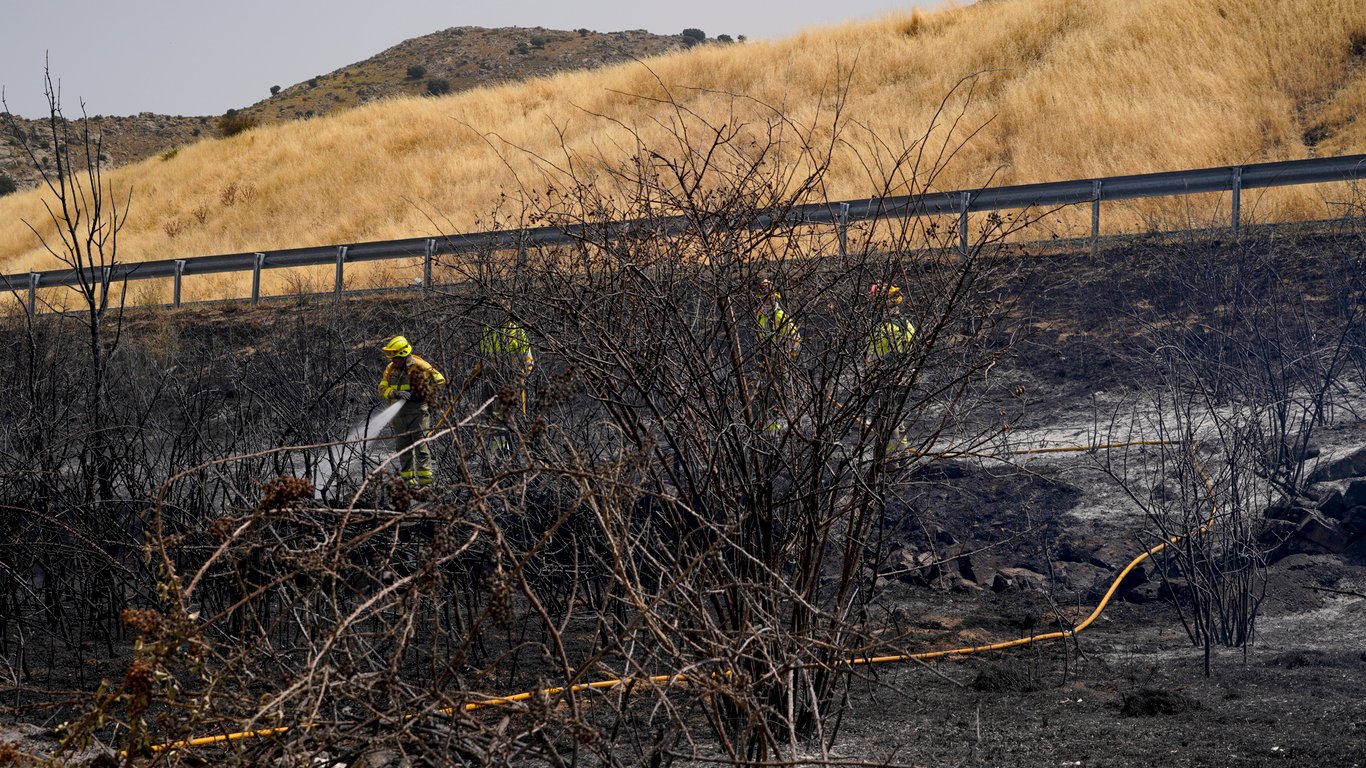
(1232, 179)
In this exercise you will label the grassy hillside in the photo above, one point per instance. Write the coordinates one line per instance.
(1033, 90)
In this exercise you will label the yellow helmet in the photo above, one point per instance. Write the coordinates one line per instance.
(889, 294)
(398, 347)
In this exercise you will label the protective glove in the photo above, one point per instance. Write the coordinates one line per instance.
(403, 395)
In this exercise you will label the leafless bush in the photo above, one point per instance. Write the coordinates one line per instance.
(674, 498)
(1251, 365)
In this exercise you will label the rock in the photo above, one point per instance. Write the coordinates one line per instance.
(1351, 465)
(1354, 522)
(1326, 534)
(1134, 581)
(1294, 512)
(1277, 532)
(918, 568)
(1329, 499)
(963, 563)
(1174, 589)
(1355, 495)
(1143, 593)
(1018, 580)
(1077, 549)
(1279, 540)
(1082, 577)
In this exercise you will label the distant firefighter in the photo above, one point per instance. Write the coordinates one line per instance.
(776, 327)
(779, 344)
(888, 346)
(505, 364)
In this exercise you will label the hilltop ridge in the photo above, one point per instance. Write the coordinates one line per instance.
(448, 61)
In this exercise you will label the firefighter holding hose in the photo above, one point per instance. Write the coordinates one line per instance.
(416, 382)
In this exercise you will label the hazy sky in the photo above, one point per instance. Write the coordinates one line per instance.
(198, 57)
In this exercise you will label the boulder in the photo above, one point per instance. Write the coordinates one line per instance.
(1324, 533)
(1292, 511)
(1355, 495)
(1329, 499)
(918, 568)
(1135, 580)
(1354, 521)
(1018, 580)
(965, 569)
(1083, 577)
(1351, 465)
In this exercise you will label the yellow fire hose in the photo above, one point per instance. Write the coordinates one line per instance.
(676, 679)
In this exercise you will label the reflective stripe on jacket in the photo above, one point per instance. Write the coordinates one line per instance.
(775, 324)
(507, 342)
(893, 336)
(419, 377)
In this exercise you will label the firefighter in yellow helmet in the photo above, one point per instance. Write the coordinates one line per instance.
(777, 330)
(889, 346)
(505, 364)
(411, 379)
(893, 335)
(779, 344)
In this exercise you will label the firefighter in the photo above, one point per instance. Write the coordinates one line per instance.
(416, 382)
(779, 343)
(889, 346)
(776, 328)
(505, 363)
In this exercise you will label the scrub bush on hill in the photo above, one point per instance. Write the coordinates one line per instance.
(233, 122)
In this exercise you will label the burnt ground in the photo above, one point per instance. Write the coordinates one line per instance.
(1030, 545)
(1132, 689)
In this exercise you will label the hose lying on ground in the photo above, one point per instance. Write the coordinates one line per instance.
(677, 679)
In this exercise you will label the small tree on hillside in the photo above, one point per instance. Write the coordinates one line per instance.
(84, 220)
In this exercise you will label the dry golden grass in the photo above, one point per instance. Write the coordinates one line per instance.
(1059, 89)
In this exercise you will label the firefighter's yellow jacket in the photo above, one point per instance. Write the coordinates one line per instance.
(419, 377)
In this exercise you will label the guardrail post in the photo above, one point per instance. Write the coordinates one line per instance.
(1095, 216)
(341, 273)
(522, 237)
(843, 231)
(179, 273)
(1237, 199)
(33, 278)
(427, 265)
(256, 278)
(965, 200)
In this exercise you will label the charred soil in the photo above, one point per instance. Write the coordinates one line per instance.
(980, 549)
